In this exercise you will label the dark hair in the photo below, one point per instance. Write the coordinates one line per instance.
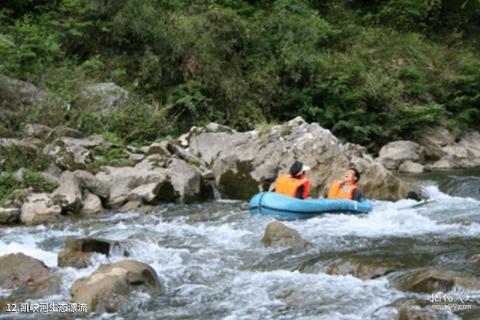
(296, 168)
(357, 174)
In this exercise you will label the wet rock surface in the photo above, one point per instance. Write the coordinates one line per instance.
(108, 288)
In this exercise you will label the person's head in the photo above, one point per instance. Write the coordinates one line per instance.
(297, 170)
(351, 176)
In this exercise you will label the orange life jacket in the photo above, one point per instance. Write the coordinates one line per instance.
(288, 185)
(341, 190)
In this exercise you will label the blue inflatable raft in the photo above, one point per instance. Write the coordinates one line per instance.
(288, 208)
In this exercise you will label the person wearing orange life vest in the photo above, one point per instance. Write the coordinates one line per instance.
(346, 188)
(295, 184)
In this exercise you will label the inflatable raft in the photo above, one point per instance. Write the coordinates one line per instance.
(288, 208)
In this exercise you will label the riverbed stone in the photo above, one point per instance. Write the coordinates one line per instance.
(433, 280)
(78, 252)
(108, 288)
(277, 233)
(18, 270)
(361, 269)
(39, 208)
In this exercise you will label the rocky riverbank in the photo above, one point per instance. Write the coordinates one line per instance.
(92, 174)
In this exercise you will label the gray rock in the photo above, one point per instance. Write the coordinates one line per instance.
(433, 140)
(19, 270)
(158, 148)
(73, 153)
(447, 152)
(248, 162)
(92, 183)
(68, 193)
(17, 143)
(108, 289)
(188, 182)
(61, 131)
(433, 280)
(395, 153)
(277, 233)
(39, 208)
(78, 252)
(37, 130)
(104, 97)
(137, 206)
(20, 92)
(91, 204)
(121, 181)
(410, 167)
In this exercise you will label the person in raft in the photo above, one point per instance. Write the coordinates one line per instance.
(295, 184)
(346, 188)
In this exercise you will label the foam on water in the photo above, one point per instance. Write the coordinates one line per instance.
(206, 265)
(298, 293)
(404, 218)
(29, 249)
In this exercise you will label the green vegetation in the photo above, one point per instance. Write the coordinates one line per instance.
(109, 156)
(371, 71)
(11, 186)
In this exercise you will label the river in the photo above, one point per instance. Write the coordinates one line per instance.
(214, 266)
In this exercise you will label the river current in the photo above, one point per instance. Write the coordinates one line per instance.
(214, 266)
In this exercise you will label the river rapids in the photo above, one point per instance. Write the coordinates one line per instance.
(213, 265)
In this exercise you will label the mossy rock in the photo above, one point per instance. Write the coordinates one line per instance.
(238, 183)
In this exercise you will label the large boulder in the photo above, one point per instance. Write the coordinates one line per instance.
(18, 270)
(277, 233)
(395, 153)
(433, 140)
(108, 289)
(104, 97)
(17, 92)
(155, 179)
(448, 152)
(68, 193)
(245, 163)
(188, 181)
(74, 153)
(123, 183)
(39, 208)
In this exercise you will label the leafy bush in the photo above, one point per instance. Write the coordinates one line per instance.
(9, 185)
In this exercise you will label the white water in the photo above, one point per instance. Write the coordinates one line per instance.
(214, 266)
